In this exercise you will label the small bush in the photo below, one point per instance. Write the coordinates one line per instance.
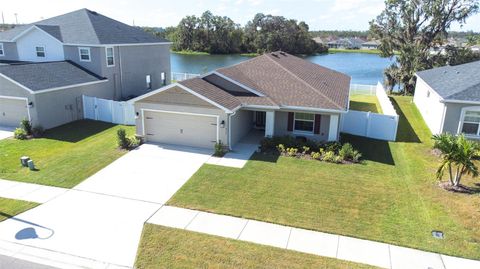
(219, 149)
(356, 156)
(122, 139)
(316, 155)
(20, 134)
(26, 125)
(37, 131)
(281, 149)
(333, 146)
(133, 142)
(348, 153)
(292, 152)
(329, 156)
(305, 150)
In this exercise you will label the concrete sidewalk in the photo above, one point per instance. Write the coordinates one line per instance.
(28, 191)
(237, 158)
(312, 242)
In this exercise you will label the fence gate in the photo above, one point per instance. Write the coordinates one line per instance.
(108, 110)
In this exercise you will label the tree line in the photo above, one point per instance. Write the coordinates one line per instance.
(221, 35)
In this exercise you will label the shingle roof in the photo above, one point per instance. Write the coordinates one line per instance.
(460, 82)
(290, 81)
(47, 75)
(211, 92)
(87, 27)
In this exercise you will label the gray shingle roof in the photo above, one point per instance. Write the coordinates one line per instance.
(42, 76)
(460, 82)
(87, 27)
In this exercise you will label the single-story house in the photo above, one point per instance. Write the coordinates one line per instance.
(275, 92)
(449, 99)
(371, 45)
(34, 91)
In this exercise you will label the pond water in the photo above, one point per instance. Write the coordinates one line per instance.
(363, 68)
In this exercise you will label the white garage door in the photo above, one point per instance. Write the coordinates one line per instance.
(181, 129)
(12, 111)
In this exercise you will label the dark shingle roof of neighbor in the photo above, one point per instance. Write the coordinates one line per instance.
(283, 80)
(47, 75)
(460, 82)
(87, 27)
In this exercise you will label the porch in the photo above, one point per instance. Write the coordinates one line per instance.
(252, 125)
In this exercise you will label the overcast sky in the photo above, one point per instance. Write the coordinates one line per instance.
(319, 14)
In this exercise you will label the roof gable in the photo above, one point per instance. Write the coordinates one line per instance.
(87, 27)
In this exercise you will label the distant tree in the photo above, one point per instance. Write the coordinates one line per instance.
(455, 56)
(410, 27)
(391, 76)
(458, 155)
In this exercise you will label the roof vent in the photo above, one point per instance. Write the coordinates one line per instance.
(274, 55)
(283, 53)
(93, 12)
(458, 72)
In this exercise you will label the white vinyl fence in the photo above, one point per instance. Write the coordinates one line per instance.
(373, 125)
(363, 89)
(108, 110)
(182, 76)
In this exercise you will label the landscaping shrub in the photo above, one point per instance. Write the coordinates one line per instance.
(20, 134)
(219, 149)
(348, 153)
(127, 142)
(292, 152)
(26, 125)
(329, 156)
(316, 155)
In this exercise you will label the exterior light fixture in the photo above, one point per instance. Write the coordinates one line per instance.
(222, 124)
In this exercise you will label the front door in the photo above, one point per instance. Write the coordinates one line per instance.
(260, 118)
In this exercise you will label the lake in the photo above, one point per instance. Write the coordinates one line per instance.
(362, 67)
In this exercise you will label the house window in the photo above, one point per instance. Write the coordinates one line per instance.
(149, 82)
(471, 123)
(304, 122)
(84, 54)
(40, 50)
(110, 56)
(163, 77)
(2, 52)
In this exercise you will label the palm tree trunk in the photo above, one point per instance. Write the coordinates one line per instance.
(451, 174)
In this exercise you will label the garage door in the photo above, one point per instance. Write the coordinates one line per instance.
(180, 129)
(12, 111)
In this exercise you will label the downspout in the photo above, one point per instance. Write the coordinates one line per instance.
(121, 72)
(230, 129)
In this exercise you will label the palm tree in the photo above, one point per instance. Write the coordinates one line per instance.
(458, 156)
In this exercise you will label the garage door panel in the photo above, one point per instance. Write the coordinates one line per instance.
(12, 111)
(181, 129)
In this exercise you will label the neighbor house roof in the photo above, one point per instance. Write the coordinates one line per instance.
(274, 80)
(48, 75)
(86, 27)
(460, 82)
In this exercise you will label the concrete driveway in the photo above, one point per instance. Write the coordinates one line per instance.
(101, 220)
(6, 132)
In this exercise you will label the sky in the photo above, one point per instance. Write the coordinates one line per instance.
(318, 14)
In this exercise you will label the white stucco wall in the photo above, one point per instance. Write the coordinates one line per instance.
(26, 47)
(429, 105)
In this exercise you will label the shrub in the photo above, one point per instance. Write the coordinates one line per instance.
(333, 146)
(305, 150)
(281, 149)
(26, 125)
(292, 152)
(219, 149)
(133, 142)
(20, 134)
(37, 131)
(316, 155)
(122, 139)
(356, 156)
(348, 153)
(329, 156)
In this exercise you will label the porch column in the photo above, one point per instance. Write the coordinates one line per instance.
(269, 123)
(333, 128)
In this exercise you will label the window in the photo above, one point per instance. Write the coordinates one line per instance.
(110, 56)
(163, 77)
(304, 122)
(471, 123)
(149, 82)
(84, 54)
(40, 50)
(2, 52)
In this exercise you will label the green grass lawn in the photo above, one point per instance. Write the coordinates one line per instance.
(163, 247)
(10, 208)
(65, 156)
(365, 103)
(392, 197)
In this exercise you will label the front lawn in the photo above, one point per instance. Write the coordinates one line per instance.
(365, 103)
(65, 156)
(392, 197)
(163, 247)
(10, 208)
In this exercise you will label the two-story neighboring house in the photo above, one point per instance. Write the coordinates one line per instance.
(45, 67)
